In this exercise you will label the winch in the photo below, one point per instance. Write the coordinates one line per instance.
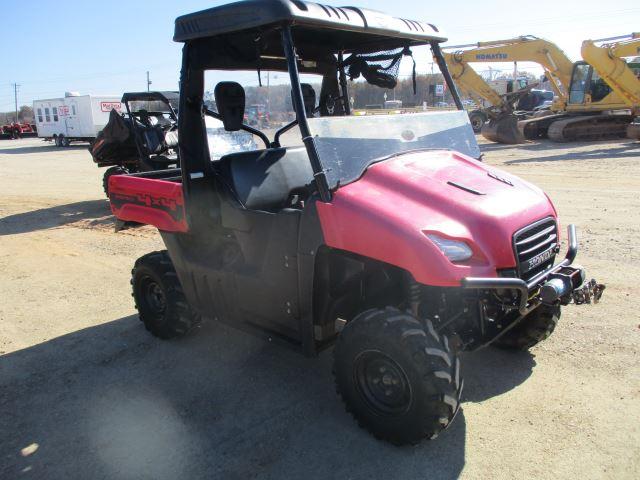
(568, 284)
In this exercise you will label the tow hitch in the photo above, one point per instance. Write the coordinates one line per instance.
(567, 285)
(589, 291)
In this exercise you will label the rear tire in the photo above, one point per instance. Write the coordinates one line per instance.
(532, 329)
(159, 298)
(56, 140)
(64, 141)
(398, 378)
(108, 174)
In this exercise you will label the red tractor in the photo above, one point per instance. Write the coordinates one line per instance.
(382, 235)
(18, 130)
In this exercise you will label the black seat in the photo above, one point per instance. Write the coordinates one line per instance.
(309, 98)
(145, 118)
(260, 179)
(230, 101)
(267, 179)
(153, 140)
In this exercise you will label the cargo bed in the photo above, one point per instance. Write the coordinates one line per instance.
(151, 198)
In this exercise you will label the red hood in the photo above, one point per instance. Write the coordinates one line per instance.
(385, 214)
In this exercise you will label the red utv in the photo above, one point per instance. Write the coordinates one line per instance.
(142, 140)
(383, 235)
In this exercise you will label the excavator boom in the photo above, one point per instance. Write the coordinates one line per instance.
(555, 63)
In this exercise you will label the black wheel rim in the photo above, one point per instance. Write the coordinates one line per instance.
(382, 383)
(153, 296)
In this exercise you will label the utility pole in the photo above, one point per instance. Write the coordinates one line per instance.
(149, 82)
(15, 97)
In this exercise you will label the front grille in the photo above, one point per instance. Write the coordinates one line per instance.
(535, 248)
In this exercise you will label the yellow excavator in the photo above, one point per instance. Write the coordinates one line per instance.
(585, 107)
(502, 126)
(607, 57)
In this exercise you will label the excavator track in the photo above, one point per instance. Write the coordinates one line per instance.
(537, 127)
(589, 127)
(633, 130)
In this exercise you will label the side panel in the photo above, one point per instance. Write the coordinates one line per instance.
(245, 271)
(148, 201)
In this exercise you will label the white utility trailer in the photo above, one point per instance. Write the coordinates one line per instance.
(74, 117)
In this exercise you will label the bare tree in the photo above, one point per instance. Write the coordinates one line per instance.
(25, 114)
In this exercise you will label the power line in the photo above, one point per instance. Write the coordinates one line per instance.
(98, 74)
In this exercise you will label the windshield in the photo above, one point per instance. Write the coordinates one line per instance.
(152, 105)
(348, 145)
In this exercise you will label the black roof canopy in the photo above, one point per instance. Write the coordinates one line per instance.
(252, 15)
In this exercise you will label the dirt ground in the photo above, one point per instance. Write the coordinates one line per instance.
(85, 392)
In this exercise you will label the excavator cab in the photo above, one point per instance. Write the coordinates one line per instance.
(586, 85)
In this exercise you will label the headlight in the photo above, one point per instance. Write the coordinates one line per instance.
(454, 250)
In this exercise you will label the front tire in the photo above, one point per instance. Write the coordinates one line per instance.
(397, 377)
(159, 297)
(532, 329)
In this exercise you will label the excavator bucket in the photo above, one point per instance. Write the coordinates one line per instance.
(633, 130)
(503, 129)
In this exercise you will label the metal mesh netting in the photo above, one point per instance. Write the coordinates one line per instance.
(379, 68)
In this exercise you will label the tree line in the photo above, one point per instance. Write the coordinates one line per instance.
(277, 98)
(25, 115)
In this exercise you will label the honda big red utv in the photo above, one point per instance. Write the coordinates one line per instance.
(382, 234)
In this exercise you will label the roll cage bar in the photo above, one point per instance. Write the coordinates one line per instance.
(301, 115)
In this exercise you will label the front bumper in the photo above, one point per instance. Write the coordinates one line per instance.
(529, 292)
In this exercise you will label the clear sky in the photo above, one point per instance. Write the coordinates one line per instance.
(105, 47)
